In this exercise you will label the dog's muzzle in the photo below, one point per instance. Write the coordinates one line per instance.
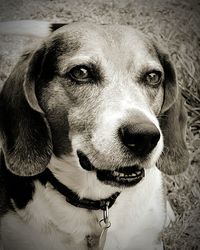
(121, 176)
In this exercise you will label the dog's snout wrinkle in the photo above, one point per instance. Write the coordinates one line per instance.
(140, 138)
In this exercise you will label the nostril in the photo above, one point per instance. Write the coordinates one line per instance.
(128, 137)
(140, 138)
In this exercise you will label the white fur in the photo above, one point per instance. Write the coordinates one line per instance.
(49, 222)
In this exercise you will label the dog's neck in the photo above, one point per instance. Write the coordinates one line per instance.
(66, 174)
(75, 200)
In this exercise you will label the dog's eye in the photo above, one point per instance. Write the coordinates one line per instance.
(153, 78)
(80, 73)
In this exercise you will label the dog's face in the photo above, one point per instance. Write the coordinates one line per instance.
(111, 88)
(99, 92)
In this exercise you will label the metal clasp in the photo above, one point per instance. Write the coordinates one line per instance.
(105, 219)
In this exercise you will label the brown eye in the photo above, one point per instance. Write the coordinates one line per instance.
(80, 73)
(153, 78)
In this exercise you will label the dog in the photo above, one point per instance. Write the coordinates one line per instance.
(89, 121)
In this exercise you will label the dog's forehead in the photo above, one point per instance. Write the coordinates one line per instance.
(107, 38)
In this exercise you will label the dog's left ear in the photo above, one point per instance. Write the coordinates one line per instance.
(173, 121)
(24, 129)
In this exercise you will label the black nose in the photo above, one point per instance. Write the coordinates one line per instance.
(140, 138)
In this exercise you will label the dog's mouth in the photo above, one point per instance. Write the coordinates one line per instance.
(123, 176)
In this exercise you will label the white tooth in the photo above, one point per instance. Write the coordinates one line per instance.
(133, 174)
(121, 175)
(115, 173)
(130, 179)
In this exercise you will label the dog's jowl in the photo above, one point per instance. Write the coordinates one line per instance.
(88, 121)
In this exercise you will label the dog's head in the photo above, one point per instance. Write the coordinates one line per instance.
(106, 93)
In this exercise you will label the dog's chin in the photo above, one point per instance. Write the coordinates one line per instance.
(125, 176)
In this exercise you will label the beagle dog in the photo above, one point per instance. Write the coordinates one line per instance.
(88, 120)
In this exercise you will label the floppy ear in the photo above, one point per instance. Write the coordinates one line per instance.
(24, 130)
(173, 121)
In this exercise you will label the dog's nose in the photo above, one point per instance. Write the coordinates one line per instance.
(140, 138)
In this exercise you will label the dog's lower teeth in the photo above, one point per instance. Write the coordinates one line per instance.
(120, 175)
(128, 176)
(138, 172)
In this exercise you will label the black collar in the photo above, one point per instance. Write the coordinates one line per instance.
(75, 200)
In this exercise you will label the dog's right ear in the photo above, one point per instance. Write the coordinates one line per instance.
(24, 129)
(173, 121)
